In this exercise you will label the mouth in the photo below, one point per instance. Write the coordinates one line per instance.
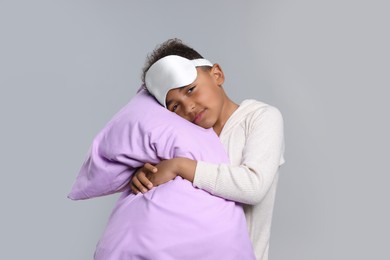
(198, 117)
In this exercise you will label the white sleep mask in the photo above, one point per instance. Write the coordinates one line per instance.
(171, 72)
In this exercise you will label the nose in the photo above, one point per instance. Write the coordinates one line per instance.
(189, 106)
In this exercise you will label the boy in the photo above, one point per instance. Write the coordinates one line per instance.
(252, 134)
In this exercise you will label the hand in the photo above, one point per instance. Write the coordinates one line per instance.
(140, 181)
(167, 170)
(150, 176)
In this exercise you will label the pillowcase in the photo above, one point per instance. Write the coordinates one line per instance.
(142, 131)
(174, 220)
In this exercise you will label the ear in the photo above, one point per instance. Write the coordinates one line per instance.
(217, 74)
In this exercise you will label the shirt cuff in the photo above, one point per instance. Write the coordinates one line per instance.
(206, 176)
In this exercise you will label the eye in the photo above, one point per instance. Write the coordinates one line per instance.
(189, 91)
(174, 107)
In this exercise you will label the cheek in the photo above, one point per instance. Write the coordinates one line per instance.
(210, 100)
(203, 97)
(183, 115)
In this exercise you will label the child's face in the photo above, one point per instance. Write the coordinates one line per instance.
(202, 101)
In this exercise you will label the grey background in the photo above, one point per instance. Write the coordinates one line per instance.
(67, 66)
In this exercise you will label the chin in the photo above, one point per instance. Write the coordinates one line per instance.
(207, 126)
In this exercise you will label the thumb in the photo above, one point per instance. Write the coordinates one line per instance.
(151, 167)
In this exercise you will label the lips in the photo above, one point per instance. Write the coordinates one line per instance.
(198, 117)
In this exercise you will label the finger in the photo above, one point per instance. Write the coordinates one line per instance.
(134, 189)
(144, 180)
(142, 177)
(151, 168)
(138, 184)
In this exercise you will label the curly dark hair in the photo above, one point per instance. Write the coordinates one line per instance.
(170, 47)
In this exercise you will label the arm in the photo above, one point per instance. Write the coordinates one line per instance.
(247, 182)
(250, 181)
(150, 176)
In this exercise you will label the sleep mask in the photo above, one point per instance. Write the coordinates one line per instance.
(171, 72)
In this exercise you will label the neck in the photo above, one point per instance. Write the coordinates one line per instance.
(228, 109)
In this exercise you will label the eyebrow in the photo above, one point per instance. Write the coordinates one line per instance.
(181, 88)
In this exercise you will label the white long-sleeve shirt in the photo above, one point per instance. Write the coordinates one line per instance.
(253, 138)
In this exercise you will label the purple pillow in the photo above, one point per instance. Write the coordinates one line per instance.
(143, 131)
(174, 220)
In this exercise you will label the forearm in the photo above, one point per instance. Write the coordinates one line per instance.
(168, 170)
(238, 183)
(243, 183)
(185, 168)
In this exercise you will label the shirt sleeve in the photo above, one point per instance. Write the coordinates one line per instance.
(262, 156)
